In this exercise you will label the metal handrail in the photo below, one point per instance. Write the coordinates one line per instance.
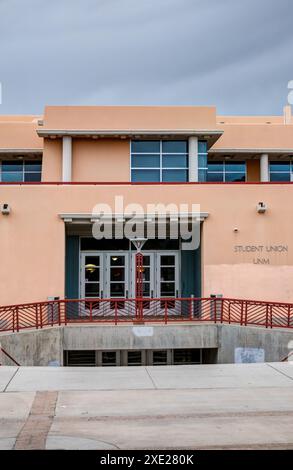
(9, 357)
(146, 310)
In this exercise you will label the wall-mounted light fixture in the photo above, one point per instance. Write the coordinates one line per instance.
(261, 207)
(5, 208)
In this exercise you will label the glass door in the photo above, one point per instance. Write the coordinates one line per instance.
(91, 285)
(168, 279)
(91, 276)
(117, 275)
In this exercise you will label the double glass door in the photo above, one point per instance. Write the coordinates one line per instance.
(113, 275)
(104, 275)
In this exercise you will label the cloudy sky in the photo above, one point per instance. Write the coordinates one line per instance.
(235, 54)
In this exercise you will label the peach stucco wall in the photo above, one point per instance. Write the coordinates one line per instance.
(33, 248)
(92, 160)
(253, 170)
(52, 160)
(19, 134)
(102, 160)
(129, 117)
(256, 137)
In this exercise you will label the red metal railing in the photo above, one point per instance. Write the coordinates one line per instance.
(164, 310)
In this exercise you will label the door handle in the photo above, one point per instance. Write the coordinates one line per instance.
(177, 293)
(102, 294)
(126, 293)
(152, 294)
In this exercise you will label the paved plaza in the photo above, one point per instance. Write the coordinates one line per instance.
(243, 406)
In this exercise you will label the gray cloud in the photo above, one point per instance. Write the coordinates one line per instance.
(235, 54)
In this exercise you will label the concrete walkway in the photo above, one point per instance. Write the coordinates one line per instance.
(208, 406)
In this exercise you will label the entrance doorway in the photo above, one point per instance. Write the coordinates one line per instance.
(113, 274)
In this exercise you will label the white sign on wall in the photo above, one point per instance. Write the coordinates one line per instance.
(248, 355)
(143, 331)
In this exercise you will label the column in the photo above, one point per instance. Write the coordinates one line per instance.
(193, 158)
(66, 158)
(264, 167)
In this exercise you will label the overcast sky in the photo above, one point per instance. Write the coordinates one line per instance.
(235, 54)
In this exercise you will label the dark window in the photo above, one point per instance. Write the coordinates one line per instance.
(222, 171)
(186, 356)
(159, 358)
(134, 358)
(145, 146)
(19, 171)
(175, 146)
(159, 161)
(109, 358)
(80, 358)
(145, 176)
(281, 171)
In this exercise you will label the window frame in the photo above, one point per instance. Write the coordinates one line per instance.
(161, 168)
(290, 162)
(224, 171)
(23, 172)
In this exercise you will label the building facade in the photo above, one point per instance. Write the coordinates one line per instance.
(232, 175)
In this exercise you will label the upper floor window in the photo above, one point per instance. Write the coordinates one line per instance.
(13, 171)
(222, 171)
(281, 171)
(159, 161)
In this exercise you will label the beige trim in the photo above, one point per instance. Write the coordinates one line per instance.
(118, 133)
(20, 151)
(76, 217)
(250, 150)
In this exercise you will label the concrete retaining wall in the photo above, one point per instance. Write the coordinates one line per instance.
(34, 347)
(273, 344)
(45, 347)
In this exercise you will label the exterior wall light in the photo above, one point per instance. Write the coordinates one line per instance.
(5, 209)
(261, 208)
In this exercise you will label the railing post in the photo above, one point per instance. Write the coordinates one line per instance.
(229, 312)
(289, 310)
(267, 316)
(37, 319)
(246, 313)
(241, 313)
(65, 311)
(13, 321)
(91, 311)
(222, 312)
(166, 312)
(116, 312)
(215, 310)
(41, 316)
(190, 309)
(271, 316)
(59, 313)
(17, 319)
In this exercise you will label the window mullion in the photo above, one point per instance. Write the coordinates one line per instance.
(161, 161)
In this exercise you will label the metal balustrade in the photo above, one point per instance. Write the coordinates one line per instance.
(145, 310)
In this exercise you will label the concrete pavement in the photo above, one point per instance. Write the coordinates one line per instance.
(206, 406)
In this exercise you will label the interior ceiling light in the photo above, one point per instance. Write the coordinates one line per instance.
(90, 267)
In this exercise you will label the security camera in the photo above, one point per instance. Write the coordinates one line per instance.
(5, 209)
